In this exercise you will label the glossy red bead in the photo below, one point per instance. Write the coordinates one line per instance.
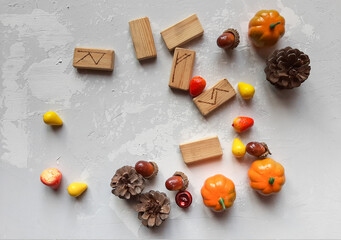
(183, 199)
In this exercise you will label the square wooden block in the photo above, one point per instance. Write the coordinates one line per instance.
(214, 97)
(142, 36)
(95, 59)
(181, 74)
(182, 32)
(202, 149)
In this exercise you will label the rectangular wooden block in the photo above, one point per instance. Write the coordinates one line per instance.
(214, 97)
(143, 40)
(182, 68)
(182, 32)
(95, 59)
(203, 149)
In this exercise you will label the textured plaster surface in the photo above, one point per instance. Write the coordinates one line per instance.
(111, 120)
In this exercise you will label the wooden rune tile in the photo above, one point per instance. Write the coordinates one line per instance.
(181, 74)
(214, 97)
(95, 59)
(202, 149)
(182, 32)
(142, 36)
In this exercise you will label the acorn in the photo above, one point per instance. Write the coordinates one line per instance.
(178, 181)
(229, 39)
(146, 169)
(257, 149)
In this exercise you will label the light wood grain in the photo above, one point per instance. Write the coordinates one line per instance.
(214, 97)
(142, 36)
(182, 32)
(95, 59)
(200, 150)
(181, 74)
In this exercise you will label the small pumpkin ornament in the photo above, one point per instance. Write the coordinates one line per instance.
(266, 176)
(218, 192)
(266, 28)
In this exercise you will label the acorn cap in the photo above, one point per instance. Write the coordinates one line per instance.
(184, 179)
(156, 170)
(267, 151)
(236, 37)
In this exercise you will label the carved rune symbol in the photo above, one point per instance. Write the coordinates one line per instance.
(214, 95)
(179, 60)
(92, 55)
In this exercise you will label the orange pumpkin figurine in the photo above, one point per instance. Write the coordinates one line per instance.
(218, 192)
(266, 28)
(266, 176)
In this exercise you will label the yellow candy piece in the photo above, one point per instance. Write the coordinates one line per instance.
(238, 148)
(51, 118)
(76, 189)
(246, 90)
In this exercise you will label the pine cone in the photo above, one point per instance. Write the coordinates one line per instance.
(127, 182)
(287, 68)
(153, 209)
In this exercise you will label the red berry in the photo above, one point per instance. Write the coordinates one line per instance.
(196, 86)
(183, 199)
(146, 169)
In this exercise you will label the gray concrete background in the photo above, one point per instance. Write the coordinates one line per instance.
(111, 120)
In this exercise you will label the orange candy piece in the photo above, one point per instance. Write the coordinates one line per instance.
(241, 124)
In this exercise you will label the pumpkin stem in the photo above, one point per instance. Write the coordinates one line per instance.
(273, 25)
(271, 180)
(221, 202)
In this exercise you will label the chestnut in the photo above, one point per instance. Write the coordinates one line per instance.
(178, 181)
(257, 149)
(229, 39)
(146, 169)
